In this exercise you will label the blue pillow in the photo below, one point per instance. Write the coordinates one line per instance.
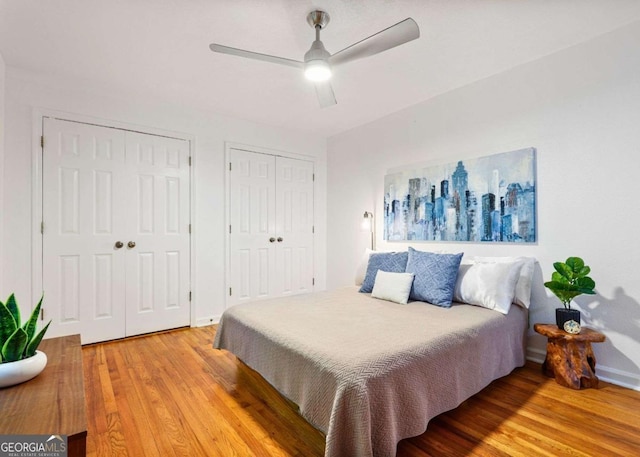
(394, 262)
(435, 276)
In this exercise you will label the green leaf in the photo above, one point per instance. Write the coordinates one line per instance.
(14, 346)
(564, 270)
(35, 342)
(557, 277)
(584, 272)
(563, 290)
(586, 285)
(575, 264)
(13, 307)
(30, 325)
(7, 324)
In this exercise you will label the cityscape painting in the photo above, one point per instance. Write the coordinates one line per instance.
(488, 199)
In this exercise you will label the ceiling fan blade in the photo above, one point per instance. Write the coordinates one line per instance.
(325, 93)
(397, 34)
(255, 55)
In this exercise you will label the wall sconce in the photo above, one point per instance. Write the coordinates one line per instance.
(367, 224)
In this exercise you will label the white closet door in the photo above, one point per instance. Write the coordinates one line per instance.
(252, 228)
(294, 226)
(102, 186)
(157, 269)
(271, 226)
(83, 272)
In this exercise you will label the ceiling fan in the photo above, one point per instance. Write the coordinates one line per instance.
(318, 61)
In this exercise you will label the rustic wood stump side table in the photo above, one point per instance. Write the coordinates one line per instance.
(570, 359)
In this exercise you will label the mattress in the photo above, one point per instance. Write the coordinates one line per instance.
(367, 372)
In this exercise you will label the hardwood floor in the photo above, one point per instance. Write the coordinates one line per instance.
(172, 394)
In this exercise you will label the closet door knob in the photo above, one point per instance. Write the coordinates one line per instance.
(119, 244)
(131, 244)
(271, 240)
(279, 239)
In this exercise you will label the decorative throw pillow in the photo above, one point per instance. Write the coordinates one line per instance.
(393, 287)
(395, 262)
(523, 286)
(488, 284)
(435, 276)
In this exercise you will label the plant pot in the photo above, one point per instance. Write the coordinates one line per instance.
(12, 373)
(563, 315)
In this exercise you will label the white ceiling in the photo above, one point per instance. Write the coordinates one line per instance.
(159, 48)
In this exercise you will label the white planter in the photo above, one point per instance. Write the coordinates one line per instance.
(12, 373)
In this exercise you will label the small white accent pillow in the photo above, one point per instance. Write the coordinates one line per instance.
(490, 285)
(393, 287)
(523, 287)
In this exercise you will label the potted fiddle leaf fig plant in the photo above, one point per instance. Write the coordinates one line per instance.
(20, 359)
(570, 280)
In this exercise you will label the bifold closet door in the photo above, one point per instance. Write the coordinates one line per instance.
(157, 268)
(252, 226)
(115, 231)
(84, 175)
(294, 226)
(270, 226)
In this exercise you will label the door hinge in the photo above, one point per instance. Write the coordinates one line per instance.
(42, 227)
(42, 141)
(189, 228)
(313, 229)
(189, 295)
(230, 292)
(229, 228)
(189, 160)
(41, 314)
(313, 281)
(229, 166)
(313, 177)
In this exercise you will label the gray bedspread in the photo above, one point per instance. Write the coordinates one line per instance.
(367, 372)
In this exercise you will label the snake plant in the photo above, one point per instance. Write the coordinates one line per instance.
(18, 341)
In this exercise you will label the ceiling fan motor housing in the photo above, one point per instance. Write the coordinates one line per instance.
(316, 59)
(318, 17)
(316, 52)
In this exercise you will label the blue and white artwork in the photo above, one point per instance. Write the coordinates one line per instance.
(488, 199)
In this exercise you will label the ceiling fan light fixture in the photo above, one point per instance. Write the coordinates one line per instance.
(317, 70)
(316, 61)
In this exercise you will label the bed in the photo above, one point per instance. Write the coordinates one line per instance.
(368, 372)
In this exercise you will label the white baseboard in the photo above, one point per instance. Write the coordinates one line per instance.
(204, 321)
(618, 377)
(607, 374)
(536, 355)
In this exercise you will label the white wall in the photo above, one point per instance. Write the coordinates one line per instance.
(580, 108)
(25, 92)
(2, 167)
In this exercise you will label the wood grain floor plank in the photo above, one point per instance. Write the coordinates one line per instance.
(172, 394)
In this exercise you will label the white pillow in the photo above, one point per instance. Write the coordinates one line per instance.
(393, 287)
(361, 271)
(523, 287)
(488, 284)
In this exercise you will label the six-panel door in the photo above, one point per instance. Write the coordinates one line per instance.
(116, 231)
(271, 226)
